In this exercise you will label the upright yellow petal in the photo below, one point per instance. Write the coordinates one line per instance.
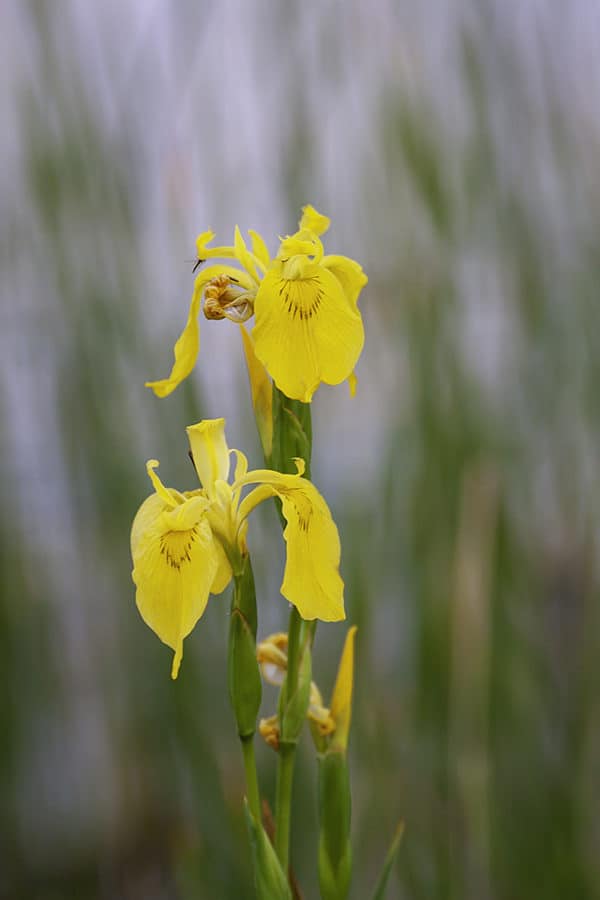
(174, 567)
(313, 220)
(243, 254)
(259, 248)
(341, 700)
(210, 452)
(305, 329)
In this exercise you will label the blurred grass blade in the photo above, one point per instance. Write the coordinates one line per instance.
(389, 862)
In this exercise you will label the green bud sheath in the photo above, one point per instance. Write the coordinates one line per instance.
(245, 685)
(296, 697)
(335, 853)
(292, 433)
(269, 878)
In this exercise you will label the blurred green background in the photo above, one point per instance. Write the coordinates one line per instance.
(455, 147)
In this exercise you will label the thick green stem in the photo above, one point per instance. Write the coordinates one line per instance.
(245, 688)
(283, 803)
(294, 631)
(251, 777)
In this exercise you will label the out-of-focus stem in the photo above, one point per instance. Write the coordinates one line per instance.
(287, 750)
(251, 776)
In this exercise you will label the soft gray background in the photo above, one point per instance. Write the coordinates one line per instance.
(455, 147)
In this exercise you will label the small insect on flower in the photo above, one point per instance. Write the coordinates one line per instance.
(199, 262)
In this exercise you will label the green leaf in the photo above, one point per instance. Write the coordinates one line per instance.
(269, 879)
(389, 862)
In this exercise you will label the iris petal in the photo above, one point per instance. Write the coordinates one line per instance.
(173, 571)
(305, 331)
(349, 273)
(209, 451)
(188, 342)
(311, 580)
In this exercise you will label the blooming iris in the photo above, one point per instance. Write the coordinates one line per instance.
(188, 545)
(308, 328)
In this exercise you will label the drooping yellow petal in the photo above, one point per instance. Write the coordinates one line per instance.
(188, 343)
(174, 566)
(311, 579)
(341, 699)
(305, 329)
(262, 394)
(210, 452)
(313, 220)
(349, 273)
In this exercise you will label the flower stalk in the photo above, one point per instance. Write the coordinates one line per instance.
(245, 686)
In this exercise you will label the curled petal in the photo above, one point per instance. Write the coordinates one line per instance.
(205, 252)
(173, 568)
(349, 274)
(305, 329)
(188, 342)
(313, 221)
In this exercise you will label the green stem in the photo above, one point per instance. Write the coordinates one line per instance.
(251, 777)
(293, 650)
(283, 803)
(287, 750)
(245, 688)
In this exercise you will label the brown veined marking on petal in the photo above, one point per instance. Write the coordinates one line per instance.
(175, 546)
(303, 509)
(295, 306)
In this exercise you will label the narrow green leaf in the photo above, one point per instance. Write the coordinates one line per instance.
(389, 862)
(269, 879)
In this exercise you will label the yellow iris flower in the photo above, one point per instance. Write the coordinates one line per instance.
(188, 545)
(308, 328)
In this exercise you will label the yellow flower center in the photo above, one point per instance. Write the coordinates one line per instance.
(175, 546)
(301, 298)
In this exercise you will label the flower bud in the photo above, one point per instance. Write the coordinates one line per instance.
(245, 686)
